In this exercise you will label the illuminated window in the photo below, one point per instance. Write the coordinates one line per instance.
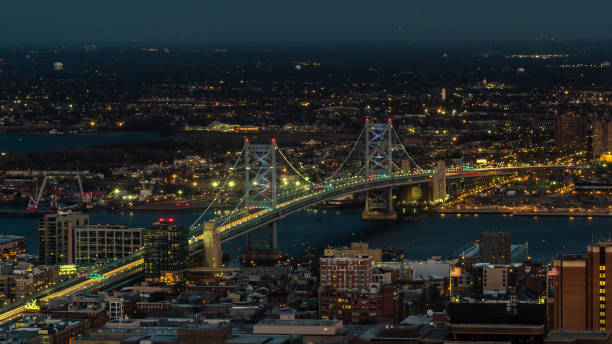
(602, 298)
(602, 291)
(602, 268)
(602, 283)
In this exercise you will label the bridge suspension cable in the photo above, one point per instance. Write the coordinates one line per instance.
(405, 151)
(220, 190)
(228, 218)
(291, 165)
(347, 157)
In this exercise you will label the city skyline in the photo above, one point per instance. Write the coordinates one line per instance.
(403, 172)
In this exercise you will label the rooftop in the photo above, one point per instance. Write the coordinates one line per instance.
(299, 322)
(564, 335)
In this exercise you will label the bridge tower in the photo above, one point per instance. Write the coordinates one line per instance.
(438, 183)
(379, 164)
(260, 181)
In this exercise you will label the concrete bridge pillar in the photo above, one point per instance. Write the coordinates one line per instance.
(439, 183)
(379, 206)
(212, 247)
(274, 239)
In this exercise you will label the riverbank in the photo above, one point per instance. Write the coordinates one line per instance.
(535, 212)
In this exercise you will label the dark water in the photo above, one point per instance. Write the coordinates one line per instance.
(436, 235)
(28, 143)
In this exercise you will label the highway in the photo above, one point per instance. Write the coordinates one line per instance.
(87, 284)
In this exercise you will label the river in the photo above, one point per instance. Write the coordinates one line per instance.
(28, 143)
(435, 235)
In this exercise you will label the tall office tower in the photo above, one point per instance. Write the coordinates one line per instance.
(570, 130)
(602, 138)
(56, 243)
(580, 287)
(166, 251)
(494, 247)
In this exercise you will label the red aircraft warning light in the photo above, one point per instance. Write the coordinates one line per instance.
(166, 220)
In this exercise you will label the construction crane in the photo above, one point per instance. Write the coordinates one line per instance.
(84, 197)
(38, 192)
(53, 205)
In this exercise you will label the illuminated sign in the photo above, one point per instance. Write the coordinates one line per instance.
(67, 269)
(32, 306)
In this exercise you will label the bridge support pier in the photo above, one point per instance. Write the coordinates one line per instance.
(379, 206)
(274, 241)
(213, 256)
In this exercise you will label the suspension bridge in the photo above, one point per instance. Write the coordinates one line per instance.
(376, 163)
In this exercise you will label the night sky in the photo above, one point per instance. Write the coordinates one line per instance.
(315, 20)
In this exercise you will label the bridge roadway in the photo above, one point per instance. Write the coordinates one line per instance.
(287, 204)
(72, 286)
(246, 222)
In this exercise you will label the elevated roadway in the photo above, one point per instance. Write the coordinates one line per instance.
(247, 220)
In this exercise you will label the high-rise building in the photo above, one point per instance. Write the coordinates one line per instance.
(602, 138)
(56, 244)
(347, 290)
(570, 130)
(99, 242)
(580, 288)
(494, 247)
(346, 272)
(569, 289)
(166, 251)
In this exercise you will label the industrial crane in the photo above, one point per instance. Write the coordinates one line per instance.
(38, 192)
(84, 197)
